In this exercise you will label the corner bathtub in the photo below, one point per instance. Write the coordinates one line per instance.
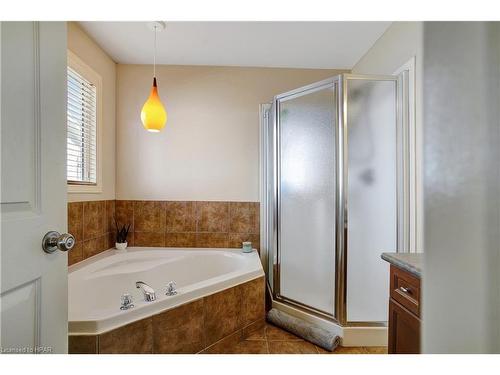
(95, 285)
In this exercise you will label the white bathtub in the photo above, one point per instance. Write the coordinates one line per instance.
(95, 285)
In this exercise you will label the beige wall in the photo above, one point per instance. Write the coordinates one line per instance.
(209, 149)
(397, 45)
(401, 42)
(87, 50)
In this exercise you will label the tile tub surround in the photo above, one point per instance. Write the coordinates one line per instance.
(259, 338)
(92, 225)
(191, 224)
(203, 325)
(163, 224)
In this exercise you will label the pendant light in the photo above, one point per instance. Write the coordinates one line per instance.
(153, 114)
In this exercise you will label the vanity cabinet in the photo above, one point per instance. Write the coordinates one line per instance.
(404, 312)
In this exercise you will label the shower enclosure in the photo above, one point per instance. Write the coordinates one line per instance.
(332, 190)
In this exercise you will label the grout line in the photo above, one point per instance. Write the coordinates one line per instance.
(265, 336)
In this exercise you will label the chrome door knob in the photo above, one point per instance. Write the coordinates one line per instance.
(54, 240)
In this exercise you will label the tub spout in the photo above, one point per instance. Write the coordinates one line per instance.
(149, 293)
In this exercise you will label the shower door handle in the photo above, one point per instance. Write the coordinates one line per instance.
(54, 240)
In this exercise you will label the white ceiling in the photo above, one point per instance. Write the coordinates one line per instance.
(261, 44)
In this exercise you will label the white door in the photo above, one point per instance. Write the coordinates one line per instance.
(33, 301)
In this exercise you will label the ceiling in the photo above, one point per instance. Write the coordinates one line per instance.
(319, 45)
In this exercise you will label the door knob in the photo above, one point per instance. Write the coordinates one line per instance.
(54, 240)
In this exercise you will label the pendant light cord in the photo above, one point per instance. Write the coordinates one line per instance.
(154, 56)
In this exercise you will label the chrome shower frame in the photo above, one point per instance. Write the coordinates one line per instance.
(271, 199)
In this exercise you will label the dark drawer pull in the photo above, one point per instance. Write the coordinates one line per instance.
(405, 290)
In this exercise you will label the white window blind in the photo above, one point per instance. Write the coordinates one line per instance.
(82, 130)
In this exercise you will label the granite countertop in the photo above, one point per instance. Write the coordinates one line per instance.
(411, 262)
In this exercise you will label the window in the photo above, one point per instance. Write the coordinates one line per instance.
(83, 90)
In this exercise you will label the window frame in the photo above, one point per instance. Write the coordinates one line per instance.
(78, 65)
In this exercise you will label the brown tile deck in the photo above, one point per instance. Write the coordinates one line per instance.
(133, 338)
(179, 330)
(216, 323)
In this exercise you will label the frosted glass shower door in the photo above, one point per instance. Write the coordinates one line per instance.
(306, 195)
(371, 126)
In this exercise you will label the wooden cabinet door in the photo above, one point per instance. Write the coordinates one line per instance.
(404, 330)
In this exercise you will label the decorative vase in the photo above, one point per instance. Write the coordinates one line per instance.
(120, 245)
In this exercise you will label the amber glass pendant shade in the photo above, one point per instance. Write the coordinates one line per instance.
(153, 114)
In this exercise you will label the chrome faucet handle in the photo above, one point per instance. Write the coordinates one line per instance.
(126, 299)
(171, 289)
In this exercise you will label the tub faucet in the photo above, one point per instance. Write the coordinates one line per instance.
(149, 293)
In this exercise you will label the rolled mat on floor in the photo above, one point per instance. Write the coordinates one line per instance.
(308, 331)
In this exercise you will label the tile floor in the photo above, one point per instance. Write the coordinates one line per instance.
(273, 340)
